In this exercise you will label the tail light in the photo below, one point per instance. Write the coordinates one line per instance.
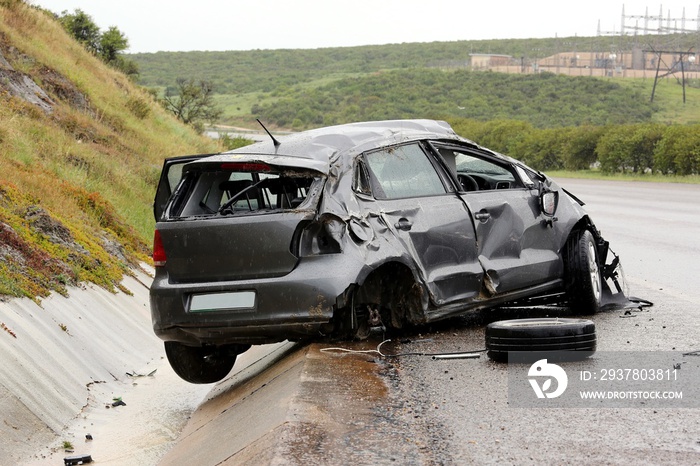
(320, 237)
(159, 258)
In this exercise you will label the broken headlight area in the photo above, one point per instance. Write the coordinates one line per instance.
(322, 236)
(613, 276)
(615, 287)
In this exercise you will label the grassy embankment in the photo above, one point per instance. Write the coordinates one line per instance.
(76, 182)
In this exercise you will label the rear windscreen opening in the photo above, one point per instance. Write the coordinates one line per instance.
(234, 192)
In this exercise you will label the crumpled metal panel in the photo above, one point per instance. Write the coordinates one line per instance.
(516, 248)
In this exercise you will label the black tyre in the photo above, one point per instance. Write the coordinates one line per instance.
(584, 278)
(197, 364)
(541, 335)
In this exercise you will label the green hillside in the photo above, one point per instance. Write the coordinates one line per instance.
(546, 100)
(299, 89)
(81, 148)
(268, 70)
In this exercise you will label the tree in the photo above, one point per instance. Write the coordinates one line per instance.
(111, 43)
(579, 148)
(504, 135)
(192, 102)
(541, 149)
(644, 140)
(678, 151)
(614, 148)
(108, 45)
(81, 26)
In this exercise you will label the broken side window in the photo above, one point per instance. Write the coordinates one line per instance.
(361, 178)
(477, 172)
(401, 172)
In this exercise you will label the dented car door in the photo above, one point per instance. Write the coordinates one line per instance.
(517, 247)
(420, 208)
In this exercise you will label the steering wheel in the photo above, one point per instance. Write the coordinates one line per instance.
(468, 183)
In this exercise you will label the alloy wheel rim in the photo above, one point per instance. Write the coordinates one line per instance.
(594, 271)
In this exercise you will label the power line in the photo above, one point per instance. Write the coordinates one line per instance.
(654, 24)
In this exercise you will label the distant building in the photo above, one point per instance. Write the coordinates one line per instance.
(635, 63)
(482, 61)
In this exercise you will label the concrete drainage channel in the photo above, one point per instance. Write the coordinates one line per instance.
(299, 402)
(66, 361)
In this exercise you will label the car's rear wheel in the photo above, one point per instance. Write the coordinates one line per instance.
(584, 280)
(541, 335)
(202, 364)
(388, 299)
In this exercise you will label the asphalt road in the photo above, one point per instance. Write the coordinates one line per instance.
(460, 409)
(327, 406)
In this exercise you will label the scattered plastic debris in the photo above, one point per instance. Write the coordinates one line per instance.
(77, 459)
(136, 374)
(457, 356)
(117, 402)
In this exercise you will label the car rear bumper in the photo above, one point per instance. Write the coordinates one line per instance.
(297, 305)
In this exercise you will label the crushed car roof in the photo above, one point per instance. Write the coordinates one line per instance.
(317, 148)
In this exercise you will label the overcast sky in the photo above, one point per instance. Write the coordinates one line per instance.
(179, 25)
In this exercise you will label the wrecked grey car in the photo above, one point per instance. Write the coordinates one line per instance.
(337, 230)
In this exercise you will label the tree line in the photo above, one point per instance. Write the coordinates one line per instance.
(191, 101)
(107, 45)
(625, 148)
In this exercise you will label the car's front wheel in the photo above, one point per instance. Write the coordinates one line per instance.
(584, 281)
(202, 364)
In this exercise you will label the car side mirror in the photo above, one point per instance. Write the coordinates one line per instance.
(548, 202)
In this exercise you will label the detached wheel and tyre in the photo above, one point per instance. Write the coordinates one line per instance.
(541, 335)
(201, 364)
(584, 278)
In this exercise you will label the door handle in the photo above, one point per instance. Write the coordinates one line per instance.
(403, 224)
(482, 215)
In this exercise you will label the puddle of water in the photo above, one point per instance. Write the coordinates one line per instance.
(157, 408)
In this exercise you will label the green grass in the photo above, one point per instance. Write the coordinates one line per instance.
(597, 175)
(668, 97)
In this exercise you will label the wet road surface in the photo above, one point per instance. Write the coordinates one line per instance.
(461, 407)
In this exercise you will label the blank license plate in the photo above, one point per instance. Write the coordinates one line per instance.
(222, 301)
